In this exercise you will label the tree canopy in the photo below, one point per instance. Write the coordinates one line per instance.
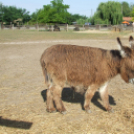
(132, 14)
(126, 10)
(110, 12)
(1, 12)
(56, 12)
(10, 13)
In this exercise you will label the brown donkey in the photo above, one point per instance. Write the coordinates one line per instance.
(86, 69)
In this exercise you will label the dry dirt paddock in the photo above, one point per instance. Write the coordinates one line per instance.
(23, 101)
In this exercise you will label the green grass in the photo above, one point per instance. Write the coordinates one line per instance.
(33, 35)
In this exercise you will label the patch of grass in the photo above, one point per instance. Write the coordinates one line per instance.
(34, 35)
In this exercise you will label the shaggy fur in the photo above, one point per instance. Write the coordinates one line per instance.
(86, 69)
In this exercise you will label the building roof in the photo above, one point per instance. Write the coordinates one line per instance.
(127, 19)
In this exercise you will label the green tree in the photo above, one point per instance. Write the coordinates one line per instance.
(24, 14)
(109, 12)
(132, 13)
(76, 17)
(125, 9)
(1, 13)
(58, 1)
(56, 12)
(131, 7)
(11, 13)
(82, 21)
(34, 17)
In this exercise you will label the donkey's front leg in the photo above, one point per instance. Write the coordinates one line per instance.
(88, 96)
(105, 97)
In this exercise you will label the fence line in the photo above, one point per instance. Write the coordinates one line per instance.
(66, 27)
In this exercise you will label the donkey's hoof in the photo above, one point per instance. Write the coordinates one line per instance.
(89, 111)
(111, 111)
(64, 112)
(51, 111)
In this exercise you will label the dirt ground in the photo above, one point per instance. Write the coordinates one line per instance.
(23, 101)
(94, 31)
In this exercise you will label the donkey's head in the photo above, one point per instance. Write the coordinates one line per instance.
(127, 61)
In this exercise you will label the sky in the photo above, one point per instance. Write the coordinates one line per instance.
(82, 7)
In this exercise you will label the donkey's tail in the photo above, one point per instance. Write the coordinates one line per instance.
(44, 70)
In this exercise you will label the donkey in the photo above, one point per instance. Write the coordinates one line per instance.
(86, 69)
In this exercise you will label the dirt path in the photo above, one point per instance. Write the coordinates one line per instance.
(51, 41)
(94, 31)
(23, 101)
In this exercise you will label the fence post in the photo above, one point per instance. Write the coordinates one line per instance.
(52, 28)
(67, 27)
(98, 27)
(13, 26)
(37, 26)
(10, 25)
(0, 25)
(133, 27)
(83, 27)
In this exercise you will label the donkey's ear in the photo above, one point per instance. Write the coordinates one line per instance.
(119, 43)
(131, 42)
(121, 48)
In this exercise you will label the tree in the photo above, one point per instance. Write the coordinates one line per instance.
(1, 13)
(24, 15)
(132, 14)
(11, 13)
(58, 1)
(56, 12)
(109, 12)
(34, 17)
(125, 9)
(76, 17)
(131, 7)
(82, 21)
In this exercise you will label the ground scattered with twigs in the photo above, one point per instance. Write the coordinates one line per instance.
(23, 96)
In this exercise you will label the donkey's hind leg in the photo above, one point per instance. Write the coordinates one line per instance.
(50, 105)
(56, 92)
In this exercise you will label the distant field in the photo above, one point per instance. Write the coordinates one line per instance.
(33, 35)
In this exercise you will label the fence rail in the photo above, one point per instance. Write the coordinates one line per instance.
(66, 27)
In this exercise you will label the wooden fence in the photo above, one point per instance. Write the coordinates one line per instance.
(56, 27)
(66, 27)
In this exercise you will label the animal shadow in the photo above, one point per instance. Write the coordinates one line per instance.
(69, 95)
(15, 124)
(97, 97)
